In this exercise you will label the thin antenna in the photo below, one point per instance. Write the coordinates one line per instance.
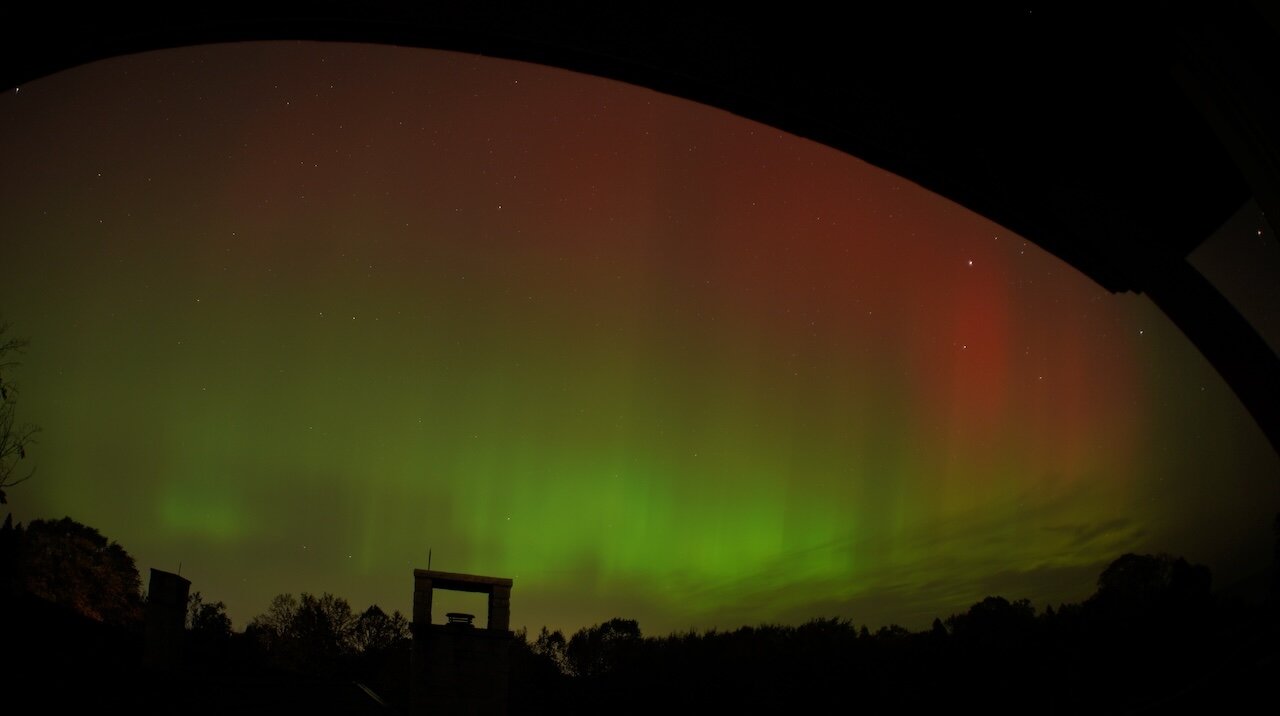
(428, 559)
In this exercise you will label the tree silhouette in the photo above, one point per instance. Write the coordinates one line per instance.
(552, 645)
(273, 628)
(600, 649)
(207, 621)
(10, 557)
(892, 631)
(14, 436)
(208, 647)
(322, 628)
(72, 564)
(1152, 585)
(375, 631)
(316, 635)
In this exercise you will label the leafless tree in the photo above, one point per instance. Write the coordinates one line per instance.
(14, 436)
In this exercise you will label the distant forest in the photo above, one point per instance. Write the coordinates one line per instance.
(1151, 639)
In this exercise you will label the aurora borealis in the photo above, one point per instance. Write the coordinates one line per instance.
(301, 312)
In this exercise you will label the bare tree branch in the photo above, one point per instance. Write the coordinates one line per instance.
(14, 437)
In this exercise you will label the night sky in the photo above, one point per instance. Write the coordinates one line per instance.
(301, 312)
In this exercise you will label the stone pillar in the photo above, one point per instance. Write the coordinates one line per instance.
(166, 619)
(500, 609)
(422, 588)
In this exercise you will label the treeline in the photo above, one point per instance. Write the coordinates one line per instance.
(310, 637)
(1150, 638)
(72, 609)
(308, 634)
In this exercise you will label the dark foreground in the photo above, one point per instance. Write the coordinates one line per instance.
(1147, 642)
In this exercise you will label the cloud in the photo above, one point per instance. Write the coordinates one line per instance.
(1120, 530)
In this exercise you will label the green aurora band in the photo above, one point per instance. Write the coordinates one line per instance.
(302, 312)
